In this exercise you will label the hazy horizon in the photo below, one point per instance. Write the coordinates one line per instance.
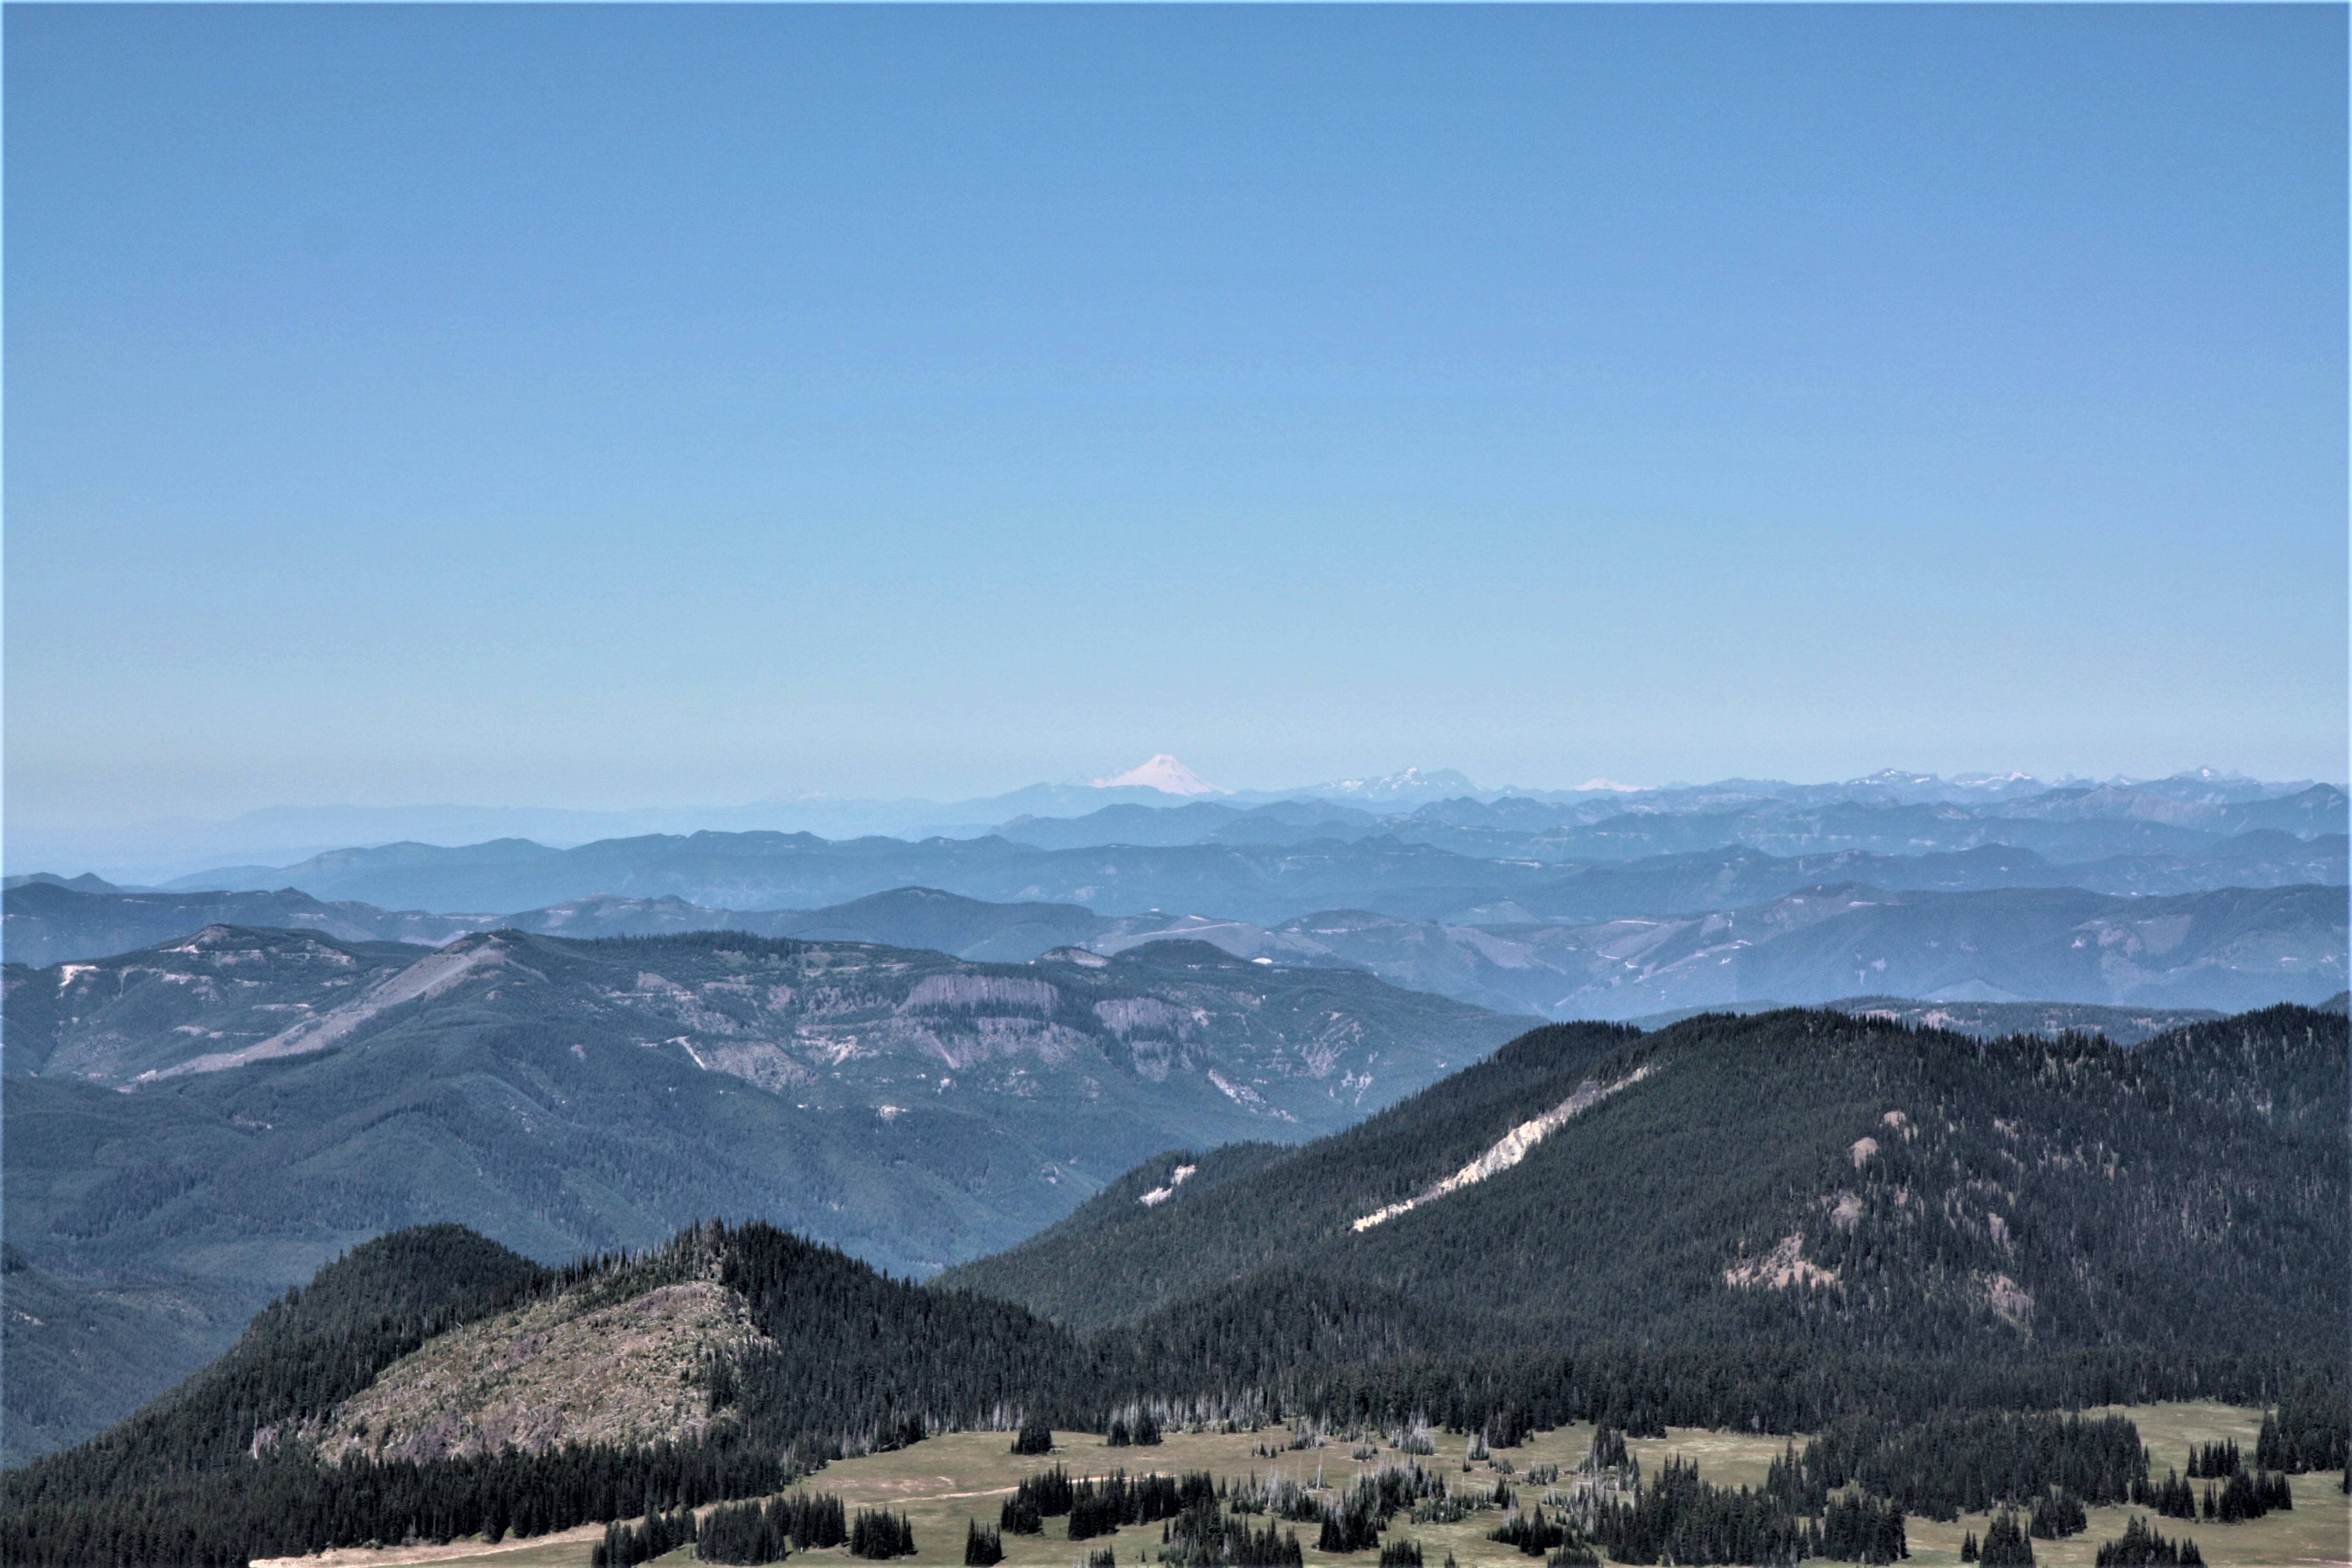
(599, 407)
(1220, 789)
(159, 848)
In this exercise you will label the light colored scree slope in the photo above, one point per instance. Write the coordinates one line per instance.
(1512, 1147)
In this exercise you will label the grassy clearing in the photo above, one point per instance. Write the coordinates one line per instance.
(944, 1481)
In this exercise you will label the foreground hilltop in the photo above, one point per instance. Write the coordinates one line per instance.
(1775, 1223)
(434, 1383)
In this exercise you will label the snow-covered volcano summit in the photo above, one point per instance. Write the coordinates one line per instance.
(1162, 773)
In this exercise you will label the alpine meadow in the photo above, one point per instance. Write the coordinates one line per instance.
(1175, 787)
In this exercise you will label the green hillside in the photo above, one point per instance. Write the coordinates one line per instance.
(1791, 1179)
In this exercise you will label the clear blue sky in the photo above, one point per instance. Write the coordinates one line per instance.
(601, 407)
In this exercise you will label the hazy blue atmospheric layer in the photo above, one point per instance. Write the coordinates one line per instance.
(611, 406)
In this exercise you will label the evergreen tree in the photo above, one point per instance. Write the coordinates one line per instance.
(2005, 1544)
(626, 1545)
(2212, 1461)
(747, 1532)
(2311, 1429)
(1531, 1533)
(1856, 1528)
(2140, 1547)
(877, 1533)
(1681, 1519)
(2057, 1515)
(1199, 1537)
(2170, 1498)
(1018, 1516)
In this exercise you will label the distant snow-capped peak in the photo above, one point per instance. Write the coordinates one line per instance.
(1411, 784)
(1164, 774)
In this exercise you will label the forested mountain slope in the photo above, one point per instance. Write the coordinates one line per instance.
(1780, 1221)
(291, 1095)
(80, 1356)
(1991, 1020)
(1800, 1179)
(828, 1022)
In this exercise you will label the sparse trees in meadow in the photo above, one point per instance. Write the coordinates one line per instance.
(2212, 1461)
(626, 1545)
(2141, 1547)
(2311, 1429)
(2006, 1544)
(2057, 1515)
(880, 1534)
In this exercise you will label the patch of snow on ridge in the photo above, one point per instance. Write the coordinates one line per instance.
(1159, 1195)
(1164, 774)
(1512, 1147)
(1240, 1092)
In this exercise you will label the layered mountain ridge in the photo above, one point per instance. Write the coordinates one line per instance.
(1770, 1223)
(284, 833)
(1643, 948)
(921, 1074)
(220, 1113)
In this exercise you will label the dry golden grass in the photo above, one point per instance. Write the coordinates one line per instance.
(943, 1482)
